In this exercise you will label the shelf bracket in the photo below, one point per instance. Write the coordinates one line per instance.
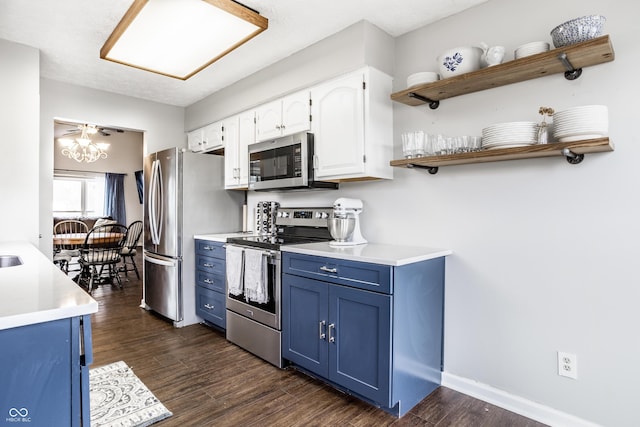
(571, 73)
(432, 104)
(431, 169)
(572, 157)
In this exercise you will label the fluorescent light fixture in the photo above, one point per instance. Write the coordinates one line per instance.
(179, 38)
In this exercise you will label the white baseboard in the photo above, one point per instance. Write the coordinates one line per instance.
(513, 403)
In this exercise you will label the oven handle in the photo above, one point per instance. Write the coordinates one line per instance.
(265, 252)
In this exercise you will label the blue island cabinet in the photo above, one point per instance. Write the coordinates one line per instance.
(374, 331)
(44, 373)
(211, 282)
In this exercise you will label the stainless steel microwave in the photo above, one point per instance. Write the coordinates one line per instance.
(284, 164)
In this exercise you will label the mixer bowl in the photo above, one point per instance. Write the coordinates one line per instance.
(341, 229)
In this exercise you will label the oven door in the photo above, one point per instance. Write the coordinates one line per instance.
(280, 163)
(265, 313)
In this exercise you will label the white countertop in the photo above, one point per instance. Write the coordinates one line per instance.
(222, 237)
(37, 291)
(376, 253)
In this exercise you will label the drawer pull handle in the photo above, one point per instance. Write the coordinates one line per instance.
(207, 265)
(209, 281)
(332, 326)
(209, 307)
(321, 329)
(328, 270)
(207, 248)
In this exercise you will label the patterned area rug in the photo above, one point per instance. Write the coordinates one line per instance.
(119, 398)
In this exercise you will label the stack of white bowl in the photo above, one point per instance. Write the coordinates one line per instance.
(530, 49)
(578, 123)
(511, 134)
(422, 77)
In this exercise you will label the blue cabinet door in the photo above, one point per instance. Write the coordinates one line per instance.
(36, 375)
(304, 323)
(359, 335)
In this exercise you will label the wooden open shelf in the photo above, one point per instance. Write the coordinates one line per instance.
(551, 149)
(591, 52)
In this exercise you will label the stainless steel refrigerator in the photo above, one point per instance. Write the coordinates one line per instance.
(183, 195)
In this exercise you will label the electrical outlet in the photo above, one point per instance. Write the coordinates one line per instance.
(567, 365)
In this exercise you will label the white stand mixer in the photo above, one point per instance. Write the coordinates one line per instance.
(349, 208)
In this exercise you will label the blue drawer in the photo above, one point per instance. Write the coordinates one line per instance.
(215, 282)
(211, 265)
(212, 249)
(211, 306)
(362, 275)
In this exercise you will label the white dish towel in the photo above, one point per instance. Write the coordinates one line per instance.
(255, 276)
(234, 270)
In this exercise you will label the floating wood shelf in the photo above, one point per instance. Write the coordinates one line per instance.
(591, 52)
(573, 151)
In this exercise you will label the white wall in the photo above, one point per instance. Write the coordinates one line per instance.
(163, 127)
(544, 251)
(19, 100)
(124, 156)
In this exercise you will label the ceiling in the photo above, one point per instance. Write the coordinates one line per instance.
(70, 33)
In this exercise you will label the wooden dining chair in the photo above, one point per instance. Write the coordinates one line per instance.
(128, 252)
(100, 255)
(64, 252)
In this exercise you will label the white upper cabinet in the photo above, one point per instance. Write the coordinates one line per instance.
(284, 116)
(208, 138)
(353, 126)
(239, 134)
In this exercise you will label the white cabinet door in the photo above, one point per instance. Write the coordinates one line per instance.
(338, 126)
(194, 140)
(239, 132)
(231, 150)
(246, 137)
(213, 136)
(282, 117)
(296, 113)
(269, 121)
(353, 126)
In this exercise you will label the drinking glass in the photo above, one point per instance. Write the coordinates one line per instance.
(408, 145)
(419, 148)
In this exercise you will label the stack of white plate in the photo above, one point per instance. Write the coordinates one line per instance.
(512, 134)
(578, 123)
(530, 49)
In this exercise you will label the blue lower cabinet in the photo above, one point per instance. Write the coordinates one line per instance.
(44, 372)
(211, 306)
(339, 333)
(384, 347)
(211, 282)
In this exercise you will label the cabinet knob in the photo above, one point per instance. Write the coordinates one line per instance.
(206, 264)
(278, 127)
(209, 281)
(209, 307)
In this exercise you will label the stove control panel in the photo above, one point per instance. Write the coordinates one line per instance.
(305, 217)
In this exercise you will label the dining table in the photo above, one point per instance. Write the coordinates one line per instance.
(78, 239)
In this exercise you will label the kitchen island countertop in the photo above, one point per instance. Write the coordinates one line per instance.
(37, 291)
(376, 253)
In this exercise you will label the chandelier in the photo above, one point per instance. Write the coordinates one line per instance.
(82, 149)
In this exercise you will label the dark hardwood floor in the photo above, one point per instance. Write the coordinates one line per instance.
(207, 381)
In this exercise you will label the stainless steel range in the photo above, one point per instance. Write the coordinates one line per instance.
(254, 279)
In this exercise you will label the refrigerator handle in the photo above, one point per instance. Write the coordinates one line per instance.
(155, 196)
(152, 203)
(160, 200)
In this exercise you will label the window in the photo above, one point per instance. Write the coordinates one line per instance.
(78, 194)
